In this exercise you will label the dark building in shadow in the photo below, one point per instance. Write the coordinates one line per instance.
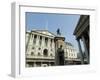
(81, 32)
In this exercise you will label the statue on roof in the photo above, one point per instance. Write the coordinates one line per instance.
(58, 32)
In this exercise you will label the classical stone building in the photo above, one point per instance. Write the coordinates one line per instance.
(70, 50)
(41, 48)
(71, 53)
(82, 33)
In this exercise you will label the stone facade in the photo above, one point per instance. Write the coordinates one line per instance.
(41, 47)
(71, 52)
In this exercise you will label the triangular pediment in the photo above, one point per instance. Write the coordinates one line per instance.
(46, 32)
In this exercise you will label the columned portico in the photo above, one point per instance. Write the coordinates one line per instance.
(80, 51)
(82, 33)
(86, 50)
(40, 52)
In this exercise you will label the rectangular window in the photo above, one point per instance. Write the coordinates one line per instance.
(46, 41)
(40, 41)
(34, 41)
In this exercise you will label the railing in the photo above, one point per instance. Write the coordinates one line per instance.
(72, 59)
(49, 57)
(39, 57)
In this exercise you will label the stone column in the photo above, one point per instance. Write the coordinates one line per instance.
(32, 39)
(43, 41)
(34, 64)
(86, 50)
(53, 44)
(37, 40)
(49, 64)
(29, 43)
(48, 42)
(41, 63)
(80, 50)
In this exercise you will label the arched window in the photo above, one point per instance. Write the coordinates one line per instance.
(33, 48)
(51, 54)
(39, 54)
(39, 48)
(45, 52)
(32, 53)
